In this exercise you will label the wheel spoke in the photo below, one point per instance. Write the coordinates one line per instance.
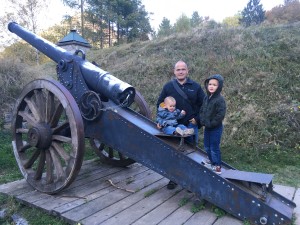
(56, 115)
(60, 150)
(49, 168)
(40, 101)
(22, 131)
(33, 108)
(32, 159)
(25, 147)
(61, 127)
(62, 138)
(57, 164)
(41, 165)
(49, 106)
(27, 117)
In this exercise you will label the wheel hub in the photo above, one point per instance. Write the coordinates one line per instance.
(40, 136)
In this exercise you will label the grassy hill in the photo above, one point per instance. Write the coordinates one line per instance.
(261, 67)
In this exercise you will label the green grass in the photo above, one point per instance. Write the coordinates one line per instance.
(9, 170)
(32, 215)
(283, 163)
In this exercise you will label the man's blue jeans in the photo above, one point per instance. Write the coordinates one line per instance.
(212, 141)
(194, 138)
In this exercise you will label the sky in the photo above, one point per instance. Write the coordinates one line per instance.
(171, 9)
(215, 9)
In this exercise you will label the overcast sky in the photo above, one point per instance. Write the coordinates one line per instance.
(171, 9)
(215, 9)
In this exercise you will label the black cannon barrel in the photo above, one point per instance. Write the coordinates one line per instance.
(97, 79)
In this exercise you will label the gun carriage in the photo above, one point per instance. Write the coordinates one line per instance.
(53, 118)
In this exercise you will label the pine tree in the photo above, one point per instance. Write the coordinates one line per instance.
(165, 28)
(252, 14)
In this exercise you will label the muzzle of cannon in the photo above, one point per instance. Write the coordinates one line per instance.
(71, 67)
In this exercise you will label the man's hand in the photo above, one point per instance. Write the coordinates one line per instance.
(158, 126)
(193, 121)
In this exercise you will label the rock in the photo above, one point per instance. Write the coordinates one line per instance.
(18, 220)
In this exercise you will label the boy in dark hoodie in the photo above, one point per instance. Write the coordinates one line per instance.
(212, 114)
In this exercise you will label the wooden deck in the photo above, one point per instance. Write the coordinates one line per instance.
(136, 195)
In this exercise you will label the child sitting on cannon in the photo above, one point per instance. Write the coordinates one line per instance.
(167, 116)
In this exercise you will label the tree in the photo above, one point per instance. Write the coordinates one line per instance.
(182, 24)
(25, 13)
(196, 20)
(232, 21)
(77, 4)
(165, 28)
(287, 13)
(252, 14)
(128, 18)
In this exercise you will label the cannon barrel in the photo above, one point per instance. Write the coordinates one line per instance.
(96, 79)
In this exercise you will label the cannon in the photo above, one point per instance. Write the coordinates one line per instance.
(52, 119)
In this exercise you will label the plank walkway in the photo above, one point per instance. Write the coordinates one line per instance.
(136, 195)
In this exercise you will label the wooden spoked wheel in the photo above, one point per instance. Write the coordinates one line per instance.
(110, 156)
(48, 135)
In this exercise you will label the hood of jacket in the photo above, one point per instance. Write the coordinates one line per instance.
(162, 107)
(220, 80)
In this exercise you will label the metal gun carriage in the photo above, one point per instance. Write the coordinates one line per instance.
(53, 118)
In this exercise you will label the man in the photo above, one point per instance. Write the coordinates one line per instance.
(189, 97)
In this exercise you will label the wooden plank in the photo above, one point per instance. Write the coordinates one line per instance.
(179, 216)
(203, 217)
(135, 211)
(228, 220)
(31, 197)
(15, 185)
(162, 211)
(285, 191)
(73, 204)
(95, 205)
(112, 210)
(89, 191)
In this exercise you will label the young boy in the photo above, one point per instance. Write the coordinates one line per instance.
(212, 114)
(167, 116)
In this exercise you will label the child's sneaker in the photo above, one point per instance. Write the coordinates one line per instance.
(179, 131)
(206, 162)
(189, 131)
(217, 169)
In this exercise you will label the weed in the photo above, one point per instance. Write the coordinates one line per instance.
(129, 181)
(197, 206)
(150, 192)
(219, 212)
(246, 222)
(183, 201)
